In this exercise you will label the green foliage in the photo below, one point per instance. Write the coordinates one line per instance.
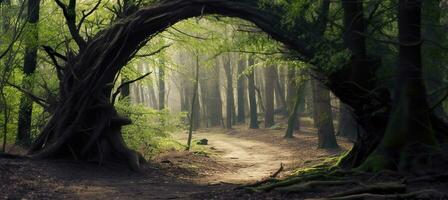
(150, 131)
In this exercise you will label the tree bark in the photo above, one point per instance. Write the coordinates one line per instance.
(230, 105)
(325, 127)
(347, 124)
(253, 124)
(269, 75)
(162, 86)
(194, 102)
(279, 92)
(409, 126)
(241, 92)
(29, 66)
(294, 118)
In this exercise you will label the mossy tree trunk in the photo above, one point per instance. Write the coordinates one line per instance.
(409, 125)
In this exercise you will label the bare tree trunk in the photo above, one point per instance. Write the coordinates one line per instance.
(294, 118)
(214, 99)
(29, 66)
(194, 101)
(162, 86)
(279, 92)
(230, 105)
(269, 75)
(241, 92)
(252, 98)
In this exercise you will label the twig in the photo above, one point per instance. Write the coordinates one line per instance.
(85, 15)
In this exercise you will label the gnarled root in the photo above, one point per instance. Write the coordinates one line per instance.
(422, 194)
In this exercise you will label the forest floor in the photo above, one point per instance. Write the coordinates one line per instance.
(211, 171)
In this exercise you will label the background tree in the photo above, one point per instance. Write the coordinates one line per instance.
(29, 66)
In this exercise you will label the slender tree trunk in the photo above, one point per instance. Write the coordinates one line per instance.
(252, 98)
(279, 92)
(29, 66)
(294, 118)
(197, 108)
(193, 112)
(269, 96)
(314, 90)
(240, 89)
(291, 89)
(162, 86)
(230, 105)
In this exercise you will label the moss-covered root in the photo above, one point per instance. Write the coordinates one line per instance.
(423, 194)
(379, 188)
(313, 186)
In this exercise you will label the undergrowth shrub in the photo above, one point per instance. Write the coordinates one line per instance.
(150, 130)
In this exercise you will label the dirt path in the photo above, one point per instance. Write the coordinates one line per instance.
(246, 155)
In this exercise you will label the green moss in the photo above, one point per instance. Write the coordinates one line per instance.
(376, 162)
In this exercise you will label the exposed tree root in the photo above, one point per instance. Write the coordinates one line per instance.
(432, 178)
(313, 186)
(292, 181)
(379, 188)
(423, 194)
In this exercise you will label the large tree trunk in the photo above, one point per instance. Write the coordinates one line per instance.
(434, 58)
(409, 126)
(241, 92)
(269, 75)
(252, 98)
(355, 85)
(29, 66)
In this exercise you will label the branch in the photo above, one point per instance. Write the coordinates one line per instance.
(53, 54)
(154, 52)
(70, 18)
(189, 35)
(33, 97)
(85, 15)
(114, 96)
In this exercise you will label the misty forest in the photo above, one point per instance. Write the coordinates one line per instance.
(223, 99)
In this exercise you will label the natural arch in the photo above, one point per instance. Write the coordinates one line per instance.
(86, 126)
